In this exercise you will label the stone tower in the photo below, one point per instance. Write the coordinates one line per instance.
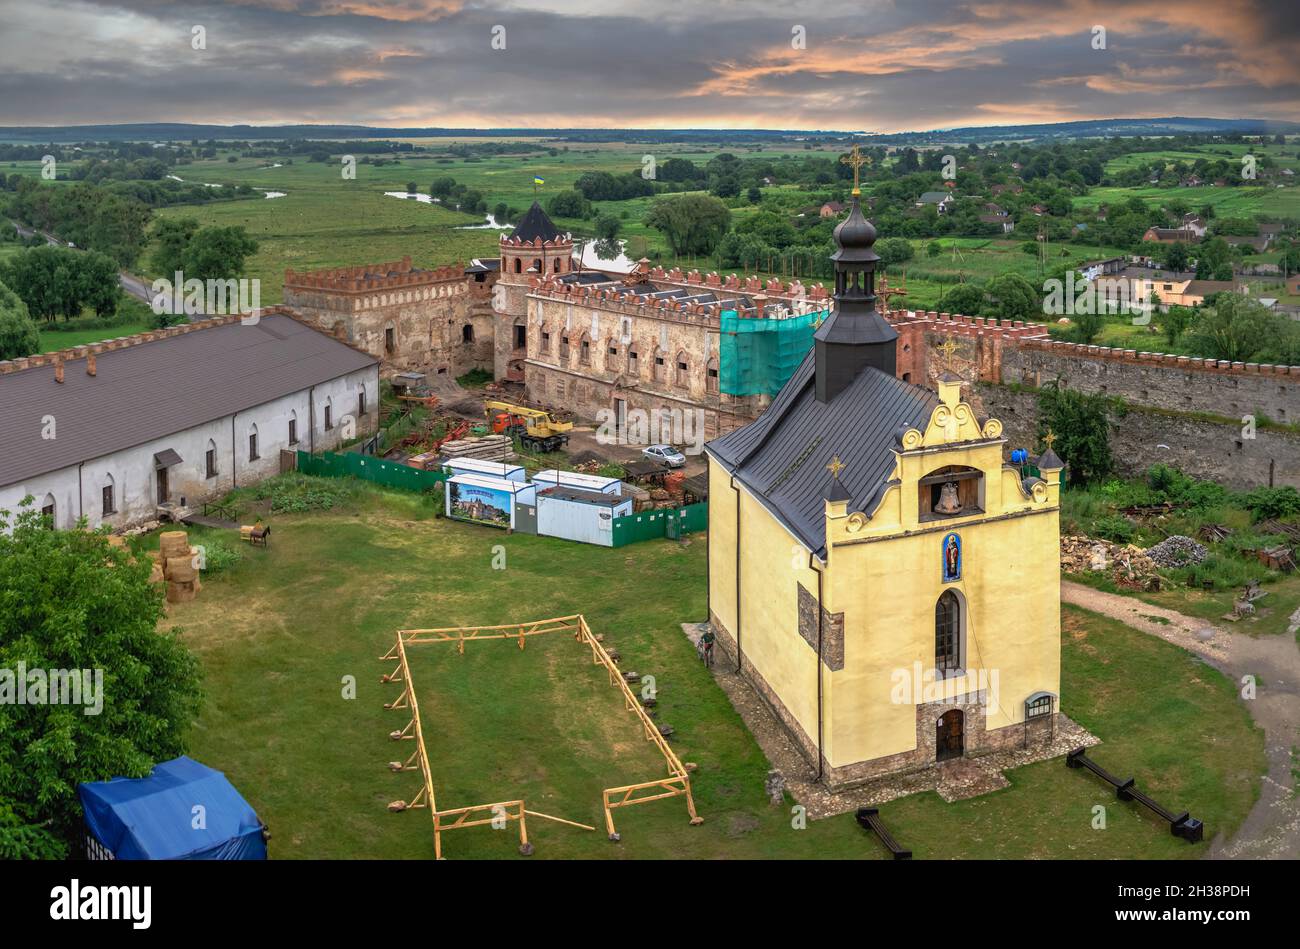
(534, 249)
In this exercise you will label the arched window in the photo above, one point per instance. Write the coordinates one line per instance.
(681, 369)
(951, 491)
(253, 453)
(537, 266)
(659, 367)
(611, 354)
(633, 365)
(711, 376)
(107, 494)
(947, 634)
(564, 344)
(584, 349)
(559, 265)
(210, 460)
(47, 510)
(544, 343)
(519, 265)
(329, 414)
(467, 333)
(293, 427)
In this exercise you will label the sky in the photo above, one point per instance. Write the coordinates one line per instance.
(869, 65)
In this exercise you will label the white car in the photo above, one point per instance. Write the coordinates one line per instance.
(666, 454)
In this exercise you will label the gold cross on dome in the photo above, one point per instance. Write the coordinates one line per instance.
(948, 347)
(1049, 439)
(835, 467)
(857, 160)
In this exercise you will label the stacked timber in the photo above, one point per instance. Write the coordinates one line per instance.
(487, 448)
(178, 560)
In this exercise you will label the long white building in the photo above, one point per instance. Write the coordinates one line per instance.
(114, 431)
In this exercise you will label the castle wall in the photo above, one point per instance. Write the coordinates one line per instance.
(432, 321)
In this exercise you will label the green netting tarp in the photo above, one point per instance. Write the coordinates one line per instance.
(758, 356)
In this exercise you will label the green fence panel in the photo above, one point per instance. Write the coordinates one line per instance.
(650, 525)
(369, 468)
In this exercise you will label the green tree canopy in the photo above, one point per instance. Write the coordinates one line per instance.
(692, 223)
(73, 602)
(18, 334)
(1079, 422)
(1234, 327)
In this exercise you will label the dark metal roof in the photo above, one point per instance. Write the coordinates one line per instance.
(599, 498)
(151, 390)
(535, 225)
(781, 457)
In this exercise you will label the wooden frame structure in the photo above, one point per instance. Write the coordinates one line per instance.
(676, 784)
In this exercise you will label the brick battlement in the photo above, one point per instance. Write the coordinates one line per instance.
(773, 287)
(61, 356)
(368, 278)
(515, 243)
(621, 300)
(1034, 337)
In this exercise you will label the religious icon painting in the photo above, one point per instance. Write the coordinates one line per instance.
(951, 558)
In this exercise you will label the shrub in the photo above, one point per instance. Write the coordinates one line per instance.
(1114, 527)
(1269, 503)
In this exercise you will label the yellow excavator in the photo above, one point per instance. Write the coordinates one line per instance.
(536, 429)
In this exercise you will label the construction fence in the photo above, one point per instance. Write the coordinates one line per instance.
(368, 468)
(668, 522)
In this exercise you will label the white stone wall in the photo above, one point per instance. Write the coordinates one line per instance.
(78, 489)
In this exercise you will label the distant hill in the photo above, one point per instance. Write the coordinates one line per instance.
(166, 131)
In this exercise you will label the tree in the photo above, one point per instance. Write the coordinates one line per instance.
(1081, 428)
(569, 204)
(217, 253)
(412, 187)
(1012, 297)
(933, 249)
(1176, 257)
(894, 250)
(73, 602)
(170, 237)
(608, 227)
(1088, 326)
(18, 334)
(965, 298)
(1234, 327)
(692, 223)
(1175, 322)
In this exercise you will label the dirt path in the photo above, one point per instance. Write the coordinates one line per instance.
(1272, 828)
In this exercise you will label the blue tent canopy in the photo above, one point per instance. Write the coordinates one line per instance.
(153, 818)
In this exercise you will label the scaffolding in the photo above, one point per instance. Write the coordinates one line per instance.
(759, 355)
(676, 784)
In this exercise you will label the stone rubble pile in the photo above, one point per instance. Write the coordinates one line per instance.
(1177, 550)
(1125, 563)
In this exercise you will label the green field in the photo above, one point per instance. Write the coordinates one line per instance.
(278, 632)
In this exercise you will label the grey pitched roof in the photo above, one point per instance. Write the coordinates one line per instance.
(781, 457)
(535, 225)
(154, 389)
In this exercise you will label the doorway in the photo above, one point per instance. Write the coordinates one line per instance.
(949, 740)
(620, 418)
(162, 485)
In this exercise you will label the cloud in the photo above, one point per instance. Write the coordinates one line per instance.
(879, 65)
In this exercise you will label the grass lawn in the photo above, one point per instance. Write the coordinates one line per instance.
(136, 316)
(278, 632)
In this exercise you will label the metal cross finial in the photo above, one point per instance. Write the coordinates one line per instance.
(857, 160)
(1049, 439)
(948, 347)
(835, 467)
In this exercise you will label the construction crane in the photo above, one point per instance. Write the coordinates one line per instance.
(536, 429)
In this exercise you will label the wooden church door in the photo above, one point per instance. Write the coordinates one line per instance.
(949, 741)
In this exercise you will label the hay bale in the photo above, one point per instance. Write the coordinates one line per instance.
(180, 569)
(180, 592)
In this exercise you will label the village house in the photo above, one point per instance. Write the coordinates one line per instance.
(125, 431)
(940, 199)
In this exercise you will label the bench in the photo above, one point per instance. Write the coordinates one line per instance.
(869, 819)
(1182, 825)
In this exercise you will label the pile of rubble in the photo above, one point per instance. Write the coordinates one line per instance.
(487, 448)
(1127, 564)
(1177, 550)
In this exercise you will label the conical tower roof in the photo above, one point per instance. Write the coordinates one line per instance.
(535, 225)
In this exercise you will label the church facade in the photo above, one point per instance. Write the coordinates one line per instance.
(878, 571)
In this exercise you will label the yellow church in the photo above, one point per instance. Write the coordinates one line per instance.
(878, 571)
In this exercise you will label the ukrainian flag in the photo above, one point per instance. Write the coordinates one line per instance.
(538, 181)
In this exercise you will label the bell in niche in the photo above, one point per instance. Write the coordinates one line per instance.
(948, 503)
